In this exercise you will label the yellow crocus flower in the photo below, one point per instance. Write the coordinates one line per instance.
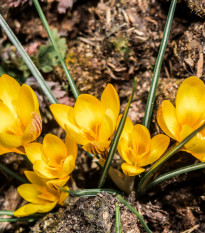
(43, 199)
(20, 121)
(188, 115)
(138, 149)
(91, 122)
(53, 160)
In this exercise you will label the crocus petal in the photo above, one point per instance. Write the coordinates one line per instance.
(131, 170)
(110, 100)
(159, 144)
(54, 149)
(4, 150)
(34, 151)
(10, 141)
(72, 148)
(29, 193)
(127, 130)
(124, 150)
(63, 196)
(9, 90)
(27, 104)
(200, 157)
(31, 208)
(55, 184)
(76, 134)
(27, 209)
(33, 129)
(97, 148)
(44, 171)
(196, 144)
(89, 112)
(167, 120)
(7, 118)
(33, 178)
(140, 140)
(106, 129)
(46, 207)
(68, 166)
(190, 107)
(49, 195)
(60, 113)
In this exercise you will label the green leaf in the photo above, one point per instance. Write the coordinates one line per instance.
(88, 192)
(55, 45)
(174, 173)
(135, 212)
(118, 219)
(158, 64)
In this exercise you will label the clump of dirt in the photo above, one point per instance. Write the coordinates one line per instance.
(90, 214)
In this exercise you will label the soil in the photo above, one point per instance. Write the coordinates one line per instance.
(112, 41)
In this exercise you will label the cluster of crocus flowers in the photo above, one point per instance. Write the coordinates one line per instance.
(20, 118)
(53, 160)
(41, 197)
(188, 115)
(91, 122)
(138, 149)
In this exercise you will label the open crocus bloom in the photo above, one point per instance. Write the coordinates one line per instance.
(188, 115)
(54, 160)
(20, 121)
(138, 149)
(43, 199)
(90, 122)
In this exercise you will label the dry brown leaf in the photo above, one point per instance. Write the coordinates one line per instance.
(63, 5)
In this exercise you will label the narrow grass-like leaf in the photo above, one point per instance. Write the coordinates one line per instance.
(118, 219)
(67, 73)
(88, 192)
(174, 173)
(115, 140)
(7, 212)
(135, 212)
(34, 70)
(13, 174)
(11, 213)
(158, 64)
(23, 219)
(148, 175)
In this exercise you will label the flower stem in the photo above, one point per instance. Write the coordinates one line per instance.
(34, 70)
(158, 64)
(148, 175)
(115, 140)
(174, 173)
(67, 73)
(13, 174)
